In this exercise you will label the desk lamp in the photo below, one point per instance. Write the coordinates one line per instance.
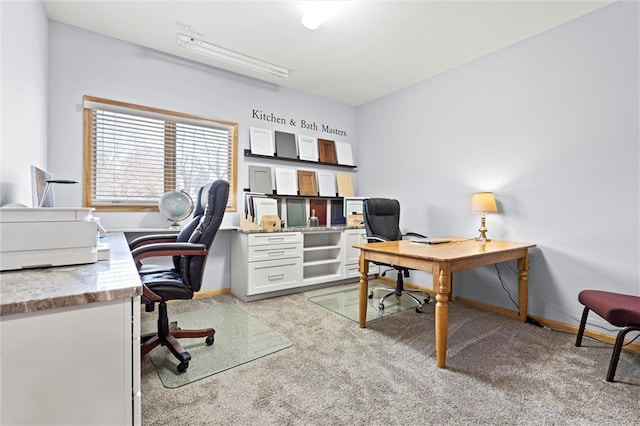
(48, 184)
(483, 202)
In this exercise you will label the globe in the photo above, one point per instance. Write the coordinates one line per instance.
(175, 206)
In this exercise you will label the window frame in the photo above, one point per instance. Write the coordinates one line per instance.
(170, 164)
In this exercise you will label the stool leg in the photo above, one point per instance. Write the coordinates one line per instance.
(583, 324)
(617, 348)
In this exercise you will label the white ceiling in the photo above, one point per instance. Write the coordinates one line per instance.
(365, 51)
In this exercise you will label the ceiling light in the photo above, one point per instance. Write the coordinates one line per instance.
(191, 43)
(317, 12)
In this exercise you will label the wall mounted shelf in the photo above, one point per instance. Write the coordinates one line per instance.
(248, 153)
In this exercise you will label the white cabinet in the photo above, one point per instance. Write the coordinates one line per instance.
(265, 262)
(322, 256)
(352, 255)
(74, 365)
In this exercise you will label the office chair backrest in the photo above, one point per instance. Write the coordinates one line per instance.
(192, 267)
(382, 218)
(198, 211)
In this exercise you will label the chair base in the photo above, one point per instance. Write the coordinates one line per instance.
(617, 347)
(399, 291)
(168, 334)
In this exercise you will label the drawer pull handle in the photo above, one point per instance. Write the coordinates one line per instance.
(276, 277)
(276, 253)
(275, 240)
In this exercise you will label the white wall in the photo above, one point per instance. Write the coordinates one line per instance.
(23, 71)
(550, 125)
(86, 63)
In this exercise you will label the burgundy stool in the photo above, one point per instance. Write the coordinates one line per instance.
(621, 310)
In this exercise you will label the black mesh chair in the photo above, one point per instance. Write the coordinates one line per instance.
(382, 223)
(183, 281)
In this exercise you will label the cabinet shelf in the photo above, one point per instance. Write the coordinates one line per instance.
(321, 248)
(321, 262)
(248, 153)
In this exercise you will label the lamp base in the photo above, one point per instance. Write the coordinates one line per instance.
(482, 239)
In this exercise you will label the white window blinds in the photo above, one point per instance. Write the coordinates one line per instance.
(135, 154)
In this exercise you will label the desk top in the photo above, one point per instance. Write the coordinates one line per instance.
(456, 249)
(32, 290)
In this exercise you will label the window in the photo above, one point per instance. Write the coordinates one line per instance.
(134, 154)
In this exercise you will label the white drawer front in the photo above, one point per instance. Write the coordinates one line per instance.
(353, 270)
(273, 252)
(275, 238)
(273, 275)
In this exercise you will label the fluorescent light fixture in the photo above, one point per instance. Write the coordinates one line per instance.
(200, 46)
(317, 12)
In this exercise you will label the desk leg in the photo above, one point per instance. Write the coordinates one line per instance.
(442, 317)
(523, 285)
(364, 290)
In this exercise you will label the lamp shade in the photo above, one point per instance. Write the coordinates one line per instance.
(483, 202)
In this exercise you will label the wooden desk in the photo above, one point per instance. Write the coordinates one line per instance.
(442, 260)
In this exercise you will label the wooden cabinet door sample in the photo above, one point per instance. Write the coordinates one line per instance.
(307, 184)
(327, 151)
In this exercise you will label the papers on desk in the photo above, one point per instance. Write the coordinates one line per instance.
(430, 240)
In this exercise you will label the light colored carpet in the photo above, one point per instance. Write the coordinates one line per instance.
(499, 372)
(239, 339)
(345, 302)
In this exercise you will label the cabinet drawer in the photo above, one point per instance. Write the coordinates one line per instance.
(274, 251)
(353, 270)
(273, 275)
(275, 238)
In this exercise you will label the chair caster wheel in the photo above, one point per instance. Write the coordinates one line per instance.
(210, 340)
(381, 306)
(182, 367)
(419, 310)
(427, 299)
(371, 295)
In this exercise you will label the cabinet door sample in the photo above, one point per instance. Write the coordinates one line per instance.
(261, 141)
(344, 154)
(307, 148)
(327, 151)
(286, 182)
(320, 207)
(345, 185)
(337, 217)
(286, 145)
(326, 184)
(260, 179)
(296, 213)
(307, 184)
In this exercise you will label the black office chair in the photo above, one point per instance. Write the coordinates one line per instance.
(382, 223)
(183, 282)
(181, 237)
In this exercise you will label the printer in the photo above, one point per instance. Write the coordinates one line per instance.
(43, 237)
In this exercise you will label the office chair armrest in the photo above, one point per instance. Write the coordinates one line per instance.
(167, 249)
(152, 239)
(376, 238)
(150, 295)
(414, 234)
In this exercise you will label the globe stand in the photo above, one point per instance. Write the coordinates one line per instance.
(175, 226)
